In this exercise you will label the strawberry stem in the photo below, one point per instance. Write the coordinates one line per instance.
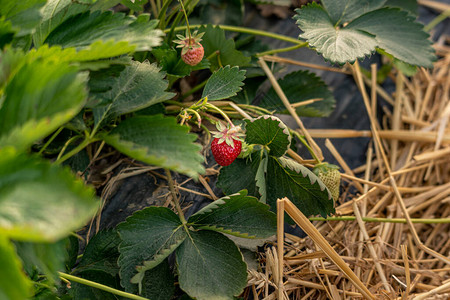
(304, 142)
(212, 106)
(187, 21)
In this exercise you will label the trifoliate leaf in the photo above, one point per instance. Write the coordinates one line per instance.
(224, 83)
(342, 35)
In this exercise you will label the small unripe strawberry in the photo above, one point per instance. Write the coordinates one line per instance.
(227, 144)
(192, 51)
(329, 174)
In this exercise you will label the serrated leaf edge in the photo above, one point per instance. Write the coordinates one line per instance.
(298, 168)
(281, 125)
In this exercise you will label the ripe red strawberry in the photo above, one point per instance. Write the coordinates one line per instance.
(225, 154)
(227, 144)
(192, 51)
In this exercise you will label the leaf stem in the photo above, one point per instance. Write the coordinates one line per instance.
(187, 21)
(280, 50)
(175, 198)
(249, 31)
(383, 220)
(75, 150)
(51, 139)
(99, 286)
(304, 142)
(212, 106)
(444, 15)
(194, 89)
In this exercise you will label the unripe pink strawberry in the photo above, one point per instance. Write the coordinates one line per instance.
(227, 144)
(193, 55)
(192, 51)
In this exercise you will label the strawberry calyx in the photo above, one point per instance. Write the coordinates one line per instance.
(189, 42)
(228, 134)
(324, 167)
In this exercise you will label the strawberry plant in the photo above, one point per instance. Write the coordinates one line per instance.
(79, 78)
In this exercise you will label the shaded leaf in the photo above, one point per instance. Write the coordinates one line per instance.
(13, 282)
(40, 201)
(159, 282)
(224, 83)
(23, 15)
(300, 86)
(46, 258)
(240, 175)
(158, 141)
(294, 181)
(84, 292)
(214, 40)
(210, 266)
(101, 254)
(238, 215)
(148, 237)
(139, 86)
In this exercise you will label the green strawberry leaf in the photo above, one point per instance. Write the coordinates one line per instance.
(39, 201)
(23, 15)
(294, 181)
(210, 266)
(410, 6)
(82, 291)
(231, 183)
(54, 13)
(300, 86)
(345, 11)
(87, 28)
(214, 40)
(270, 132)
(326, 30)
(14, 284)
(139, 86)
(47, 258)
(238, 215)
(148, 237)
(158, 141)
(101, 254)
(224, 83)
(42, 92)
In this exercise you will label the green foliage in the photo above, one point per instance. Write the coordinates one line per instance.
(39, 96)
(296, 182)
(270, 132)
(43, 258)
(210, 266)
(87, 28)
(23, 15)
(214, 40)
(343, 31)
(13, 282)
(238, 215)
(40, 201)
(148, 237)
(139, 86)
(158, 141)
(273, 175)
(301, 86)
(224, 83)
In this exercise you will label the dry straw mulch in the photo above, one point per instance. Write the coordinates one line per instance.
(393, 235)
